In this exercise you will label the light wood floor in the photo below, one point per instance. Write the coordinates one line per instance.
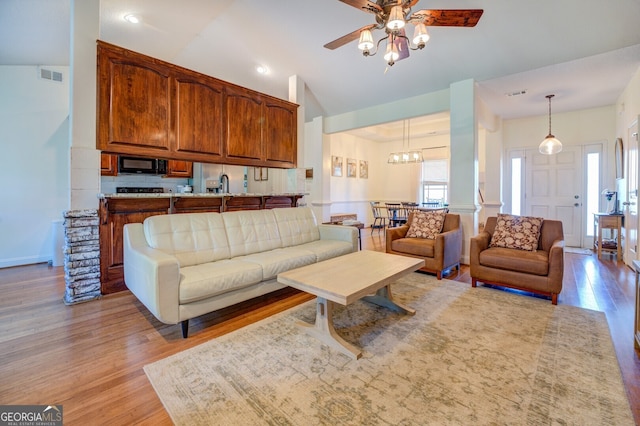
(89, 357)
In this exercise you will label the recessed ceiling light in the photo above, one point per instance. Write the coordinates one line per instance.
(133, 19)
(262, 69)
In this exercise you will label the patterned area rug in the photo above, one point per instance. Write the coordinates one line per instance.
(469, 356)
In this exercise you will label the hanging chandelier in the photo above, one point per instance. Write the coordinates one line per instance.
(406, 156)
(550, 145)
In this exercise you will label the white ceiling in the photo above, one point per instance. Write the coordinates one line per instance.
(583, 51)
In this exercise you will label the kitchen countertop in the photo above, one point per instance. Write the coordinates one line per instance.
(206, 195)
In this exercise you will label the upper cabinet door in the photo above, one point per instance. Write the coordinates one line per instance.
(134, 104)
(280, 135)
(199, 125)
(244, 125)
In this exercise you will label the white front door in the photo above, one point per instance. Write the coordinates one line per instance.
(553, 190)
(631, 210)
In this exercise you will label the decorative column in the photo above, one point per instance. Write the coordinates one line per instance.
(463, 179)
(81, 256)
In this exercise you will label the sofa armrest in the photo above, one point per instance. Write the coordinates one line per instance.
(479, 243)
(152, 275)
(395, 234)
(340, 233)
(556, 261)
(449, 246)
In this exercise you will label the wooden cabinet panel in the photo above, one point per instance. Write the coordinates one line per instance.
(280, 135)
(134, 104)
(179, 169)
(242, 203)
(196, 205)
(244, 126)
(199, 109)
(108, 165)
(114, 214)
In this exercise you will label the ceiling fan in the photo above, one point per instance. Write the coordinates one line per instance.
(392, 15)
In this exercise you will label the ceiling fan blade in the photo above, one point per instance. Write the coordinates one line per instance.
(355, 35)
(447, 17)
(402, 45)
(365, 5)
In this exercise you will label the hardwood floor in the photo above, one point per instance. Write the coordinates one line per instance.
(89, 357)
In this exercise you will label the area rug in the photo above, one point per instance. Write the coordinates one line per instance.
(578, 250)
(476, 356)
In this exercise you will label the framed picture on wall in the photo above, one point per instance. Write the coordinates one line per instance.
(351, 167)
(336, 166)
(364, 169)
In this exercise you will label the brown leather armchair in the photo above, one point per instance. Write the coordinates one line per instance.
(539, 271)
(439, 255)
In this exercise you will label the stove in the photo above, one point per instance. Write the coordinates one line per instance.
(138, 190)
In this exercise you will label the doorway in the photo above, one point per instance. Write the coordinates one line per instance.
(555, 187)
(631, 204)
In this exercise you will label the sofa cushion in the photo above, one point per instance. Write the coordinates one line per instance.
(516, 232)
(296, 225)
(327, 249)
(199, 282)
(415, 246)
(193, 238)
(275, 261)
(251, 231)
(528, 262)
(426, 224)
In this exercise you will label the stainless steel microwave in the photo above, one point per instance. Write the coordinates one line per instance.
(139, 165)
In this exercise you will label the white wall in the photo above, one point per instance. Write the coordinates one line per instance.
(34, 133)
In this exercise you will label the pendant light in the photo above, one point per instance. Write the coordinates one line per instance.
(550, 145)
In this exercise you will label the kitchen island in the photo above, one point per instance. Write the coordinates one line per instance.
(116, 210)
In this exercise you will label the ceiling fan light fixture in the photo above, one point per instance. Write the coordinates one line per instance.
(392, 54)
(366, 41)
(420, 35)
(396, 19)
(550, 145)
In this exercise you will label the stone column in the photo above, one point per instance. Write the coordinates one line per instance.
(81, 256)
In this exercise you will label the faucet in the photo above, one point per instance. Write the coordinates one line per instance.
(224, 179)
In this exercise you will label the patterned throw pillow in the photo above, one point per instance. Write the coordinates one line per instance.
(517, 232)
(426, 225)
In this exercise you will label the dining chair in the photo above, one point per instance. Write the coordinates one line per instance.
(394, 214)
(379, 217)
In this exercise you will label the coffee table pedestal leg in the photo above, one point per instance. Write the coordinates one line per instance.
(324, 331)
(384, 298)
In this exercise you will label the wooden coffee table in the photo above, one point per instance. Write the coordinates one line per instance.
(344, 280)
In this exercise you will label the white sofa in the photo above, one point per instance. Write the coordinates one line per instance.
(181, 266)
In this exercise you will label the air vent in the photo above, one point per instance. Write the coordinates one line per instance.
(516, 93)
(47, 74)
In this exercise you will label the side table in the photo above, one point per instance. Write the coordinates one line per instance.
(607, 221)
(636, 324)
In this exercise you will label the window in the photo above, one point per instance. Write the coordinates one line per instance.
(516, 185)
(593, 189)
(435, 176)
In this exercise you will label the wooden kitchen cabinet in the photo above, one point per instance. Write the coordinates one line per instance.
(114, 214)
(179, 169)
(134, 103)
(269, 139)
(244, 134)
(199, 118)
(280, 135)
(151, 108)
(108, 165)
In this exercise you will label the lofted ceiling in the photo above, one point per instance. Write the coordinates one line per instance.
(578, 50)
